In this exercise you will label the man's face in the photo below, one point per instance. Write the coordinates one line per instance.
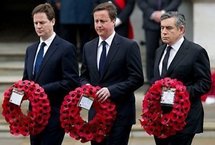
(104, 26)
(43, 26)
(169, 32)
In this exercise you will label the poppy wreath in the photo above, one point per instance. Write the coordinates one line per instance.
(157, 123)
(94, 130)
(36, 119)
(211, 93)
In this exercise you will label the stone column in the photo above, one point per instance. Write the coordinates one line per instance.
(204, 26)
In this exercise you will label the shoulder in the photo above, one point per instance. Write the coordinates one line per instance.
(123, 40)
(192, 46)
(126, 45)
(62, 42)
(92, 42)
(32, 46)
(194, 50)
(58, 39)
(35, 44)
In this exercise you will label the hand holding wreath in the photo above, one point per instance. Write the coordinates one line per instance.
(36, 119)
(97, 128)
(154, 120)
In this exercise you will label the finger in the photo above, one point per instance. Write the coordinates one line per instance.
(103, 99)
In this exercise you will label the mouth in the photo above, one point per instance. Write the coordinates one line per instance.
(39, 32)
(99, 30)
(164, 38)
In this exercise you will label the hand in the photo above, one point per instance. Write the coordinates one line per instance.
(156, 15)
(103, 94)
(118, 22)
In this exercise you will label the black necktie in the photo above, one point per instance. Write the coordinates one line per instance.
(39, 58)
(102, 58)
(165, 61)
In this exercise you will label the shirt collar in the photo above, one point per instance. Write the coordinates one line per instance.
(108, 40)
(49, 40)
(178, 44)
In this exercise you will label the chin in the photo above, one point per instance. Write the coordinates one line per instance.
(165, 40)
(99, 32)
(39, 34)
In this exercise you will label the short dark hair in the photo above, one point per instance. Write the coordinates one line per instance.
(180, 18)
(110, 7)
(44, 8)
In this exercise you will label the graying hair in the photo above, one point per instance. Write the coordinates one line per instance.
(180, 18)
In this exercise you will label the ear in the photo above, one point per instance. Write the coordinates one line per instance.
(182, 29)
(53, 21)
(114, 22)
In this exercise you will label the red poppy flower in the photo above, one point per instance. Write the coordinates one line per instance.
(72, 122)
(36, 119)
(157, 123)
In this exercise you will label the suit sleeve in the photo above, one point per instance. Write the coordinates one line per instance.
(125, 13)
(173, 5)
(84, 79)
(202, 76)
(25, 74)
(69, 73)
(145, 7)
(134, 78)
(149, 8)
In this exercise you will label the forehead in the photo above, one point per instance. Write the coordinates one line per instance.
(168, 22)
(40, 16)
(103, 14)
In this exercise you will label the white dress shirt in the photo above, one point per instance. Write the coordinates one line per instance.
(48, 43)
(173, 51)
(99, 51)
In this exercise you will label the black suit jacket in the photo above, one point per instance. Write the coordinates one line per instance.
(190, 66)
(122, 76)
(58, 73)
(149, 6)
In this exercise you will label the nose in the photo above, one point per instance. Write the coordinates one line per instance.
(163, 31)
(99, 23)
(37, 25)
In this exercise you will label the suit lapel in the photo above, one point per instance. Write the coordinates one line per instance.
(178, 57)
(157, 60)
(31, 59)
(94, 53)
(176, 60)
(112, 53)
(52, 48)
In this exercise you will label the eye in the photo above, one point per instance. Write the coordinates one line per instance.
(101, 21)
(169, 28)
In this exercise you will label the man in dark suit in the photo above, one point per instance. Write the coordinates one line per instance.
(152, 10)
(75, 21)
(189, 63)
(57, 73)
(124, 11)
(120, 75)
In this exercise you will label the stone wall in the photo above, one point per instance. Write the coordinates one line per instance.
(204, 26)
